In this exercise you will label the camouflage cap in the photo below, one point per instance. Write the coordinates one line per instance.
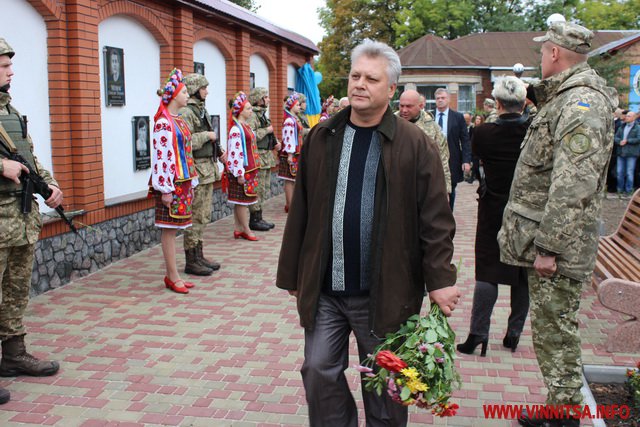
(302, 97)
(569, 36)
(256, 94)
(490, 102)
(5, 49)
(195, 82)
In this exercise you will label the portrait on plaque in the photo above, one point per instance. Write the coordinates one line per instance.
(198, 67)
(141, 153)
(114, 75)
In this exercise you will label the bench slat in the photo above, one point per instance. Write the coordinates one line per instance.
(619, 254)
(624, 264)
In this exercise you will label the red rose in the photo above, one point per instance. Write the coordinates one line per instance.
(389, 361)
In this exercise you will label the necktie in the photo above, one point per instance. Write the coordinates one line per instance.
(440, 120)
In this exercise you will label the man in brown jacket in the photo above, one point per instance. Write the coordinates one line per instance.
(369, 226)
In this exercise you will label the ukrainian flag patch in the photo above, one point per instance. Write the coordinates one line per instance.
(583, 106)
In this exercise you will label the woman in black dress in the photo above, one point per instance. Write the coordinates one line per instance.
(497, 145)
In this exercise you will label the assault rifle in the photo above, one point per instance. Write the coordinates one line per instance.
(34, 183)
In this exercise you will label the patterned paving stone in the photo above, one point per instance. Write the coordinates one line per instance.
(229, 353)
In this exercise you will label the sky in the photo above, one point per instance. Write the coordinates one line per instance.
(300, 16)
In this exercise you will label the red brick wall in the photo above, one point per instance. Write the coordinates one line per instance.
(74, 83)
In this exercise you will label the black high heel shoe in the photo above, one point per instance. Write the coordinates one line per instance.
(511, 341)
(473, 341)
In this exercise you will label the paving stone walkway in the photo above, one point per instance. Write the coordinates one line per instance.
(229, 353)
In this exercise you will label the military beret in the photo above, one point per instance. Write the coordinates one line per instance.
(569, 36)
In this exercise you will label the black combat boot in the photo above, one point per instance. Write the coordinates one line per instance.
(5, 396)
(207, 263)
(255, 224)
(193, 265)
(16, 361)
(268, 224)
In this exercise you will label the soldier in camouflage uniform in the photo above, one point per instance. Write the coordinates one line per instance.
(550, 224)
(489, 106)
(266, 142)
(19, 233)
(206, 150)
(412, 109)
(306, 127)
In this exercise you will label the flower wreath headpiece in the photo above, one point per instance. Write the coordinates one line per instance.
(292, 100)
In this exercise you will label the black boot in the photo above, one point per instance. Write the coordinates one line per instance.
(207, 263)
(469, 346)
(5, 396)
(268, 224)
(511, 341)
(255, 224)
(193, 265)
(16, 361)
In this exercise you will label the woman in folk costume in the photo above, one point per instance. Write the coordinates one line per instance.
(327, 108)
(243, 164)
(291, 145)
(173, 174)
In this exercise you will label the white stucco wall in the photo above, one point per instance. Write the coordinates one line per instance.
(26, 32)
(258, 66)
(142, 79)
(291, 76)
(214, 70)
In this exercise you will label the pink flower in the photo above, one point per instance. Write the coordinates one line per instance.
(423, 348)
(363, 369)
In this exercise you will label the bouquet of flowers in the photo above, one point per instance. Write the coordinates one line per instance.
(415, 365)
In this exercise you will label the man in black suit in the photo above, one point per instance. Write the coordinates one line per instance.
(455, 129)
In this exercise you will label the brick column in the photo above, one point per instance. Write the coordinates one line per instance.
(280, 89)
(83, 93)
(183, 39)
(240, 81)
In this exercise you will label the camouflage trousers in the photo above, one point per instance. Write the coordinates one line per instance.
(556, 340)
(200, 215)
(264, 184)
(16, 265)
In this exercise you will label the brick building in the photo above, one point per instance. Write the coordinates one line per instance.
(468, 66)
(85, 133)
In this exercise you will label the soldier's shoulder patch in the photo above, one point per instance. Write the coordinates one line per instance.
(579, 143)
(584, 106)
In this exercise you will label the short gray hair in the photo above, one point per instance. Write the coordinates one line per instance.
(375, 49)
(441, 90)
(511, 93)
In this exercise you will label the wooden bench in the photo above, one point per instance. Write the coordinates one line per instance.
(616, 278)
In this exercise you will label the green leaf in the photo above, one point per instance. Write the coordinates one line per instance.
(405, 393)
(431, 336)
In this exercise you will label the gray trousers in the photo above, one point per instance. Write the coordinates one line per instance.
(485, 295)
(326, 356)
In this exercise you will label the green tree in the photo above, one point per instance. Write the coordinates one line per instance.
(347, 23)
(609, 14)
(247, 4)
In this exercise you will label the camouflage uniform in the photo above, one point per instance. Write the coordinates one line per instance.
(205, 153)
(430, 127)
(306, 127)
(492, 116)
(259, 122)
(20, 233)
(554, 205)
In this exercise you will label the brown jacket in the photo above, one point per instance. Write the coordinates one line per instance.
(413, 224)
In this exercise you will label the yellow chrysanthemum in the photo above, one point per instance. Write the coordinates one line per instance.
(410, 373)
(416, 385)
